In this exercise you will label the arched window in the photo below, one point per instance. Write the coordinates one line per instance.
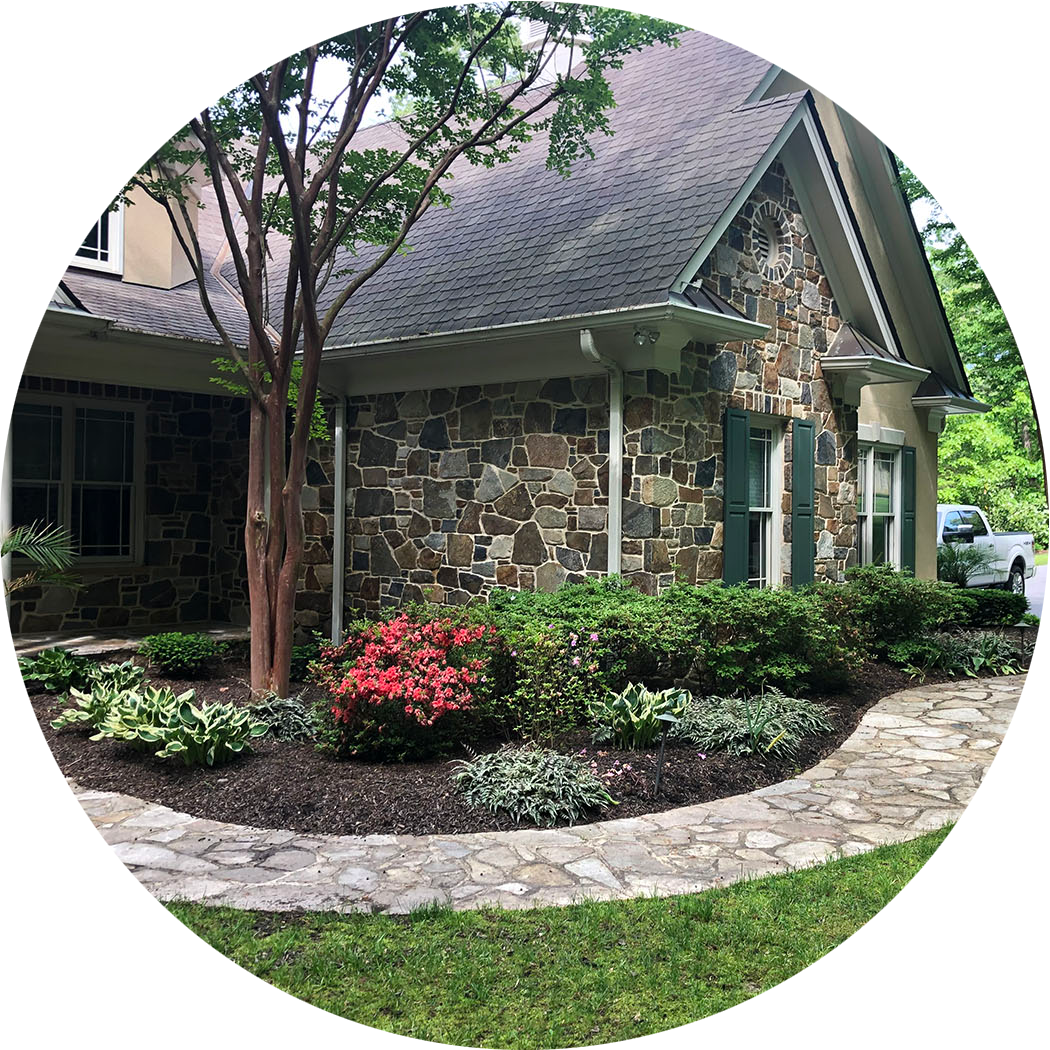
(80, 225)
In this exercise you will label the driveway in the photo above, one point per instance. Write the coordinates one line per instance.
(1034, 589)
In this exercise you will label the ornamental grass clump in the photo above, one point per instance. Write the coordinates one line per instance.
(401, 688)
(769, 723)
(531, 784)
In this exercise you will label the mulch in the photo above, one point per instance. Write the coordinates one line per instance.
(294, 786)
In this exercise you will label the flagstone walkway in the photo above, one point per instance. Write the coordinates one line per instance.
(911, 766)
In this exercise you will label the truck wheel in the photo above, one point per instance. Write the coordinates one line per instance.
(1015, 581)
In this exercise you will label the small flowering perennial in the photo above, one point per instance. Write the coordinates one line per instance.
(389, 681)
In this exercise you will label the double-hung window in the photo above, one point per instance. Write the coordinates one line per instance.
(80, 225)
(760, 506)
(878, 505)
(78, 464)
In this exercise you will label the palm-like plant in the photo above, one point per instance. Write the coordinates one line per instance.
(49, 547)
(958, 563)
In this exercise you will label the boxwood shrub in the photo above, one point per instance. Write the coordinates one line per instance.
(992, 608)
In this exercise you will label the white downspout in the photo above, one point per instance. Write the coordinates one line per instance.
(590, 351)
(339, 522)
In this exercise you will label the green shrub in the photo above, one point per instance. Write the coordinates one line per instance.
(178, 655)
(57, 670)
(289, 719)
(302, 657)
(996, 608)
(533, 784)
(941, 652)
(209, 734)
(890, 606)
(745, 638)
(771, 722)
(636, 716)
(1029, 620)
(990, 653)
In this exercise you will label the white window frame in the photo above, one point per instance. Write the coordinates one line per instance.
(69, 405)
(115, 262)
(774, 525)
(866, 463)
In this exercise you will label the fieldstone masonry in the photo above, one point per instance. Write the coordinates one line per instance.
(911, 766)
(453, 492)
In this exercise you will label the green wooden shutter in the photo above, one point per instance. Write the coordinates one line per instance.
(908, 509)
(803, 443)
(736, 438)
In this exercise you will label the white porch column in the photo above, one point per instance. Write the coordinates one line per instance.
(339, 522)
(7, 373)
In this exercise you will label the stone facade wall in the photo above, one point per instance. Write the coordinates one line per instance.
(452, 492)
(193, 566)
(676, 438)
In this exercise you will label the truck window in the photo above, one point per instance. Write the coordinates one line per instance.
(952, 521)
(971, 517)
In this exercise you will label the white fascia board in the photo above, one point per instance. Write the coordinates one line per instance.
(696, 260)
(850, 374)
(846, 222)
(784, 57)
(893, 371)
(706, 323)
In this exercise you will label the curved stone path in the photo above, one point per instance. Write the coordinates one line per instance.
(911, 766)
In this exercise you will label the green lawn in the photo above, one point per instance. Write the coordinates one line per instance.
(940, 943)
(1041, 556)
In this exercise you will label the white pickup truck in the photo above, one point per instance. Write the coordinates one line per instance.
(1013, 556)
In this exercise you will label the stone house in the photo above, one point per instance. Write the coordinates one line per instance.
(715, 352)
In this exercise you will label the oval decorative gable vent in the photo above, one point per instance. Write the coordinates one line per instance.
(769, 241)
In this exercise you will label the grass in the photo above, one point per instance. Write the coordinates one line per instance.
(1041, 557)
(936, 944)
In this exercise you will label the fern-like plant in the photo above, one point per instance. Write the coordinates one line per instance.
(48, 547)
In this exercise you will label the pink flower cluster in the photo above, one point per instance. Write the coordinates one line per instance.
(428, 669)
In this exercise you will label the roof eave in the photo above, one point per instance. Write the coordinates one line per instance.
(707, 326)
(851, 374)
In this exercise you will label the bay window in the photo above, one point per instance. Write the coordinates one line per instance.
(78, 464)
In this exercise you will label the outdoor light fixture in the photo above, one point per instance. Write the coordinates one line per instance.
(645, 335)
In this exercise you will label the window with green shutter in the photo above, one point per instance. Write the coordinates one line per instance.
(908, 509)
(803, 551)
(736, 439)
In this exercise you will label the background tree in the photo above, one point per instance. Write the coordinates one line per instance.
(310, 218)
(965, 99)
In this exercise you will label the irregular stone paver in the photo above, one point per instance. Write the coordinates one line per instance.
(911, 766)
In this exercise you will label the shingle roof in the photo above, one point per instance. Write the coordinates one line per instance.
(522, 244)
(173, 312)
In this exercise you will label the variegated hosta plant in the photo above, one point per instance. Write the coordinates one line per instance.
(636, 716)
(205, 734)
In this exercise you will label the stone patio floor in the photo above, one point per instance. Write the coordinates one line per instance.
(911, 766)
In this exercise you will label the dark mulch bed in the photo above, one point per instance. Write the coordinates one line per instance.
(281, 785)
